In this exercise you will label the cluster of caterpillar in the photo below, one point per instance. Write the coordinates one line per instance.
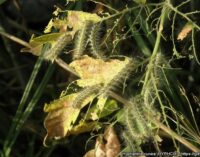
(88, 35)
(104, 89)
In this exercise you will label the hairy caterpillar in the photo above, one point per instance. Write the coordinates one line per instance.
(131, 144)
(94, 41)
(136, 121)
(119, 77)
(86, 92)
(81, 40)
(61, 42)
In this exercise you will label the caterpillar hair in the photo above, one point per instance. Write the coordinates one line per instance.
(55, 51)
(119, 77)
(160, 63)
(81, 40)
(137, 124)
(95, 41)
(85, 93)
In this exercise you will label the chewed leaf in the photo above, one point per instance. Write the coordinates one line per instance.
(85, 127)
(73, 19)
(96, 113)
(62, 116)
(98, 107)
(37, 42)
(97, 71)
(101, 102)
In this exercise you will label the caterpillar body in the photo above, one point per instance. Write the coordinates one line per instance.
(95, 42)
(85, 93)
(119, 77)
(55, 51)
(81, 40)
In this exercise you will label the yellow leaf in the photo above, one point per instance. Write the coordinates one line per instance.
(37, 42)
(101, 102)
(97, 71)
(74, 20)
(98, 107)
(62, 116)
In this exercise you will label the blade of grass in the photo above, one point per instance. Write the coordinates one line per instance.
(19, 117)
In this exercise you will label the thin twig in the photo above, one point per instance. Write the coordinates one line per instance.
(65, 66)
(104, 5)
(15, 39)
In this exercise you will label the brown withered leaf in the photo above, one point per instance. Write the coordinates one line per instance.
(97, 71)
(90, 153)
(112, 145)
(100, 150)
(111, 148)
(62, 116)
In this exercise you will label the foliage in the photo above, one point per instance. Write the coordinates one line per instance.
(127, 91)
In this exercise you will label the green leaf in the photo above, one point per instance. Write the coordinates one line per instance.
(109, 108)
(84, 127)
(101, 110)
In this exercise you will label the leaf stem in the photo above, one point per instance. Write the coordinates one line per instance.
(156, 48)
